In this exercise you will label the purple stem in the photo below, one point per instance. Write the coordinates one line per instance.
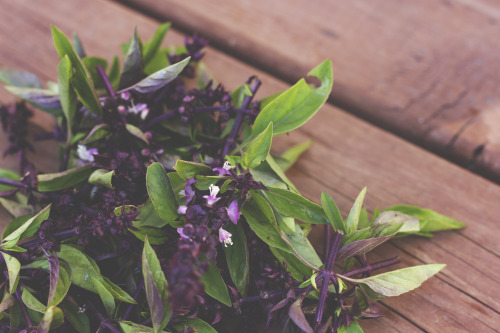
(327, 273)
(136, 295)
(10, 182)
(156, 120)
(375, 266)
(239, 119)
(107, 84)
(328, 239)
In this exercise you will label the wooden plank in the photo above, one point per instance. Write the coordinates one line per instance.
(426, 70)
(347, 155)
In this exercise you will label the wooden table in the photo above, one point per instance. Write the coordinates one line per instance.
(370, 43)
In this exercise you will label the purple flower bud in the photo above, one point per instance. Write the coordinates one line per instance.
(233, 213)
(125, 95)
(181, 233)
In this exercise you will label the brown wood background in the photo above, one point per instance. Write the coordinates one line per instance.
(347, 154)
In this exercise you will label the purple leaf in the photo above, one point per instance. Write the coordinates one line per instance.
(297, 315)
(54, 275)
(360, 247)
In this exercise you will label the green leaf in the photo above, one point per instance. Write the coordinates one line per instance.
(27, 229)
(96, 133)
(376, 230)
(77, 45)
(49, 182)
(160, 78)
(297, 268)
(298, 104)
(151, 47)
(76, 318)
(161, 193)
(156, 236)
(7, 301)
(114, 72)
(238, 95)
(130, 327)
(16, 209)
(188, 170)
(31, 302)
(14, 224)
(102, 177)
(289, 157)
(147, 216)
(302, 248)
(90, 64)
(16, 78)
(295, 205)
(430, 221)
(409, 224)
(279, 172)
(132, 68)
(80, 81)
(332, 212)
(215, 285)
(52, 319)
(196, 323)
(42, 99)
(63, 283)
(135, 131)
(353, 328)
(156, 287)
(66, 92)
(400, 281)
(237, 258)
(105, 295)
(13, 267)
(258, 149)
(84, 271)
(261, 220)
(351, 223)
(8, 174)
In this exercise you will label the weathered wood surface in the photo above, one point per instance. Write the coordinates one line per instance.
(426, 70)
(347, 154)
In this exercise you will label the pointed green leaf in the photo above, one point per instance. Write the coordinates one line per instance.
(105, 295)
(237, 258)
(290, 156)
(18, 78)
(130, 327)
(297, 315)
(80, 81)
(152, 46)
(400, 281)
(215, 285)
(156, 287)
(295, 205)
(7, 301)
(161, 193)
(27, 229)
(66, 93)
(332, 212)
(258, 149)
(187, 169)
(135, 131)
(76, 318)
(132, 68)
(160, 78)
(409, 224)
(295, 106)
(280, 173)
(13, 267)
(31, 302)
(352, 220)
(430, 220)
(196, 323)
(49, 182)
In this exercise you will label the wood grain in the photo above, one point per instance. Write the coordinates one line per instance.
(426, 70)
(347, 154)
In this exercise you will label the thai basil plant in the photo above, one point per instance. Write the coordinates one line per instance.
(170, 214)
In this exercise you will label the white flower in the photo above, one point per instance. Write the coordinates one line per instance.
(182, 210)
(140, 108)
(225, 237)
(86, 154)
(212, 198)
(225, 169)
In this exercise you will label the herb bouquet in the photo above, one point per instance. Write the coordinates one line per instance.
(169, 214)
